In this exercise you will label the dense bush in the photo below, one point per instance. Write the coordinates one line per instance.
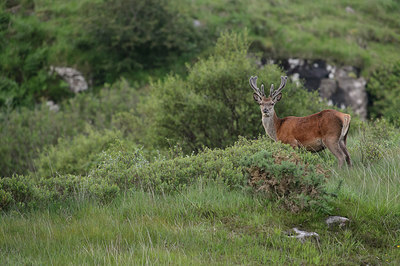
(384, 90)
(24, 63)
(223, 165)
(76, 156)
(18, 190)
(25, 132)
(214, 104)
(25, 192)
(64, 187)
(296, 185)
(121, 36)
(374, 139)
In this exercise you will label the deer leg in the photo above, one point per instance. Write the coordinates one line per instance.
(342, 144)
(334, 147)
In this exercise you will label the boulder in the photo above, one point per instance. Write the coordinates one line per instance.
(341, 86)
(73, 77)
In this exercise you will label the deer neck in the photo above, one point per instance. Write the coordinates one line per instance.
(271, 125)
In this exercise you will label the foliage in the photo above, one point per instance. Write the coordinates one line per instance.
(76, 156)
(24, 192)
(296, 185)
(116, 162)
(214, 104)
(384, 90)
(64, 187)
(122, 36)
(25, 133)
(222, 165)
(375, 137)
(24, 64)
(122, 166)
(19, 190)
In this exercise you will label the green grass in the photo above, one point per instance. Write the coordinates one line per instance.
(204, 224)
(310, 29)
(367, 38)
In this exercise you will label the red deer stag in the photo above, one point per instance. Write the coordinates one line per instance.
(326, 129)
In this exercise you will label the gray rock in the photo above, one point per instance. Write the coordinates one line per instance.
(328, 87)
(346, 72)
(349, 10)
(339, 221)
(341, 86)
(52, 106)
(73, 77)
(196, 23)
(304, 235)
(351, 92)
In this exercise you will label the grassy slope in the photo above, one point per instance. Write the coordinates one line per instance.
(367, 38)
(207, 223)
(311, 29)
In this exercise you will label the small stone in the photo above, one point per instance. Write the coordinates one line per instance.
(196, 23)
(303, 235)
(52, 106)
(337, 220)
(349, 10)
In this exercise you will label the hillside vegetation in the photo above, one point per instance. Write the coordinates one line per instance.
(164, 159)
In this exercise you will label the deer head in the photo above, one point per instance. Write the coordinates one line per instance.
(267, 104)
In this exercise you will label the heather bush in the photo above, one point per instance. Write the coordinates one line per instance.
(288, 180)
(17, 190)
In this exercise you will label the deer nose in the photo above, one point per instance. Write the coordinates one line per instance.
(265, 111)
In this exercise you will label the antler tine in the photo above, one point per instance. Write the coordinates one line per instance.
(271, 90)
(253, 84)
(262, 89)
(283, 84)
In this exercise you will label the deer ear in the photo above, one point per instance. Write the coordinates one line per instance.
(278, 97)
(257, 97)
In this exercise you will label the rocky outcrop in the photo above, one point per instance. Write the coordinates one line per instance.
(73, 77)
(342, 86)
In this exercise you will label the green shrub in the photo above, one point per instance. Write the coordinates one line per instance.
(214, 104)
(19, 190)
(64, 187)
(296, 185)
(25, 192)
(76, 156)
(25, 133)
(5, 199)
(121, 36)
(24, 62)
(375, 137)
(115, 163)
(122, 166)
(223, 165)
(384, 90)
